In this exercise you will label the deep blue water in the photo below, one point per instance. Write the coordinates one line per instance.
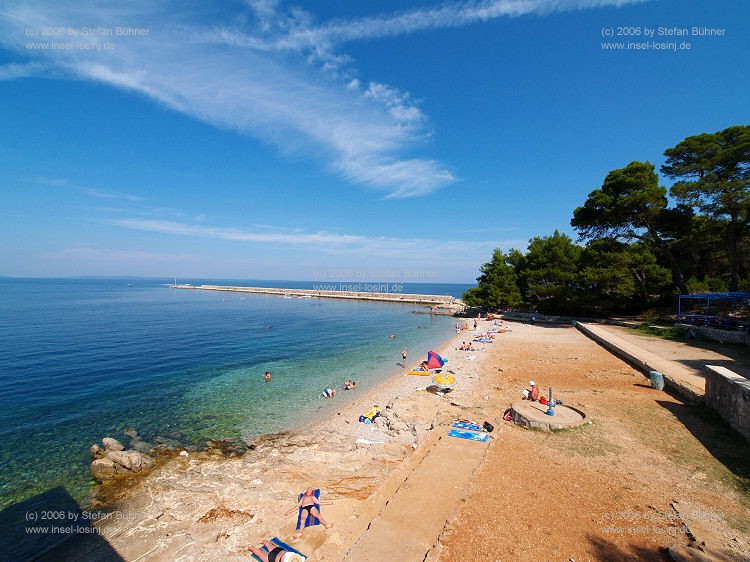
(81, 359)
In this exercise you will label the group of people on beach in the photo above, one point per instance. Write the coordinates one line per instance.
(466, 346)
(308, 511)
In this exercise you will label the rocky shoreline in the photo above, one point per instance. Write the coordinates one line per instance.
(211, 504)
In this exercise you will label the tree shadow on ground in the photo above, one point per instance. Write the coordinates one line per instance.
(43, 526)
(717, 436)
(611, 552)
(699, 365)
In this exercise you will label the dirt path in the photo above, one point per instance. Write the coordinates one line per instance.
(618, 489)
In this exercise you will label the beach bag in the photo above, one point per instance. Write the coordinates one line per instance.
(507, 416)
(543, 400)
(488, 426)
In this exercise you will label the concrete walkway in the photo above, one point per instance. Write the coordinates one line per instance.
(690, 383)
(404, 530)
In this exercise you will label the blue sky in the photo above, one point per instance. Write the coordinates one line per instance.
(324, 140)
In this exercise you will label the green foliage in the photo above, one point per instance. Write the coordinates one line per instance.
(497, 286)
(707, 285)
(626, 206)
(631, 205)
(638, 249)
(713, 170)
(616, 276)
(550, 272)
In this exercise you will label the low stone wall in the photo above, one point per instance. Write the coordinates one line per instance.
(721, 336)
(729, 394)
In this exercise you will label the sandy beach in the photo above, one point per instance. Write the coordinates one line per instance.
(403, 490)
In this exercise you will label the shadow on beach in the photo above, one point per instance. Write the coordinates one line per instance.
(606, 550)
(51, 526)
(715, 434)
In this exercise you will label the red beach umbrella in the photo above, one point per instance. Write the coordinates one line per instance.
(434, 361)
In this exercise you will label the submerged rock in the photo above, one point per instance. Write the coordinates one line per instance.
(228, 447)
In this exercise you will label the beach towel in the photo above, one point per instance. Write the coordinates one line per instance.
(370, 416)
(468, 425)
(278, 542)
(310, 521)
(471, 435)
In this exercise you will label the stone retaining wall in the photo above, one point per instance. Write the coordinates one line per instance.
(729, 394)
(721, 336)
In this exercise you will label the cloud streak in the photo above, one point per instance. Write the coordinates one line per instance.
(450, 15)
(329, 242)
(267, 72)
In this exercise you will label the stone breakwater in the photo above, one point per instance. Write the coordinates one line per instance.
(440, 301)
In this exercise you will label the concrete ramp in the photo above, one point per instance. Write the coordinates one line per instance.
(687, 382)
(407, 531)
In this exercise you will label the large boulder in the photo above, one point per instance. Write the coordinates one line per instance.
(103, 469)
(111, 461)
(132, 461)
(112, 444)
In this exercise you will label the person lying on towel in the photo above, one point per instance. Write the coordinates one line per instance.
(274, 554)
(308, 511)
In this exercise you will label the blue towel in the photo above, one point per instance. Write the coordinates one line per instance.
(310, 521)
(278, 542)
(482, 437)
(467, 425)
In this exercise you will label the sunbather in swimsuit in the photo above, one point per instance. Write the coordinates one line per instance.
(274, 553)
(308, 507)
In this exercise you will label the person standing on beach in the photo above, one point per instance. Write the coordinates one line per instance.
(403, 359)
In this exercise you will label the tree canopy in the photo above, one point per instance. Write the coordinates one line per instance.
(642, 242)
(714, 177)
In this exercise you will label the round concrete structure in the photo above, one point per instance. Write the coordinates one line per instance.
(534, 414)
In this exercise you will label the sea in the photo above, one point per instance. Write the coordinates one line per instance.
(83, 359)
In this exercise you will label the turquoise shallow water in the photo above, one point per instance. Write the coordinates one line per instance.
(84, 359)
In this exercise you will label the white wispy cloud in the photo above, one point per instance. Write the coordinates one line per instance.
(269, 71)
(13, 71)
(328, 242)
(116, 256)
(92, 192)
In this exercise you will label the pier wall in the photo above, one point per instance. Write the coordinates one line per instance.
(441, 301)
